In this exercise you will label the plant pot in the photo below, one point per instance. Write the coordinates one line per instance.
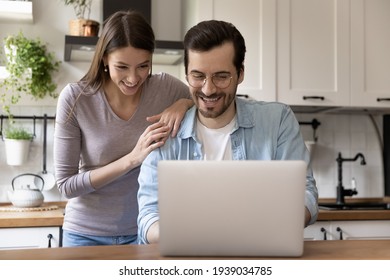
(16, 151)
(83, 27)
(11, 55)
(91, 28)
(76, 27)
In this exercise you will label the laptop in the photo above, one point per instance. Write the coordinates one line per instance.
(231, 208)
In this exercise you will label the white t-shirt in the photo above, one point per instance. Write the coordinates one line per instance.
(216, 142)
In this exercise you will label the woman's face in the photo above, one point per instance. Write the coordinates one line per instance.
(129, 68)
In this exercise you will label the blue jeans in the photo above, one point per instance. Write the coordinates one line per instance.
(72, 239)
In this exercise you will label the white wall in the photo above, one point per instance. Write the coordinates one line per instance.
(346, 133)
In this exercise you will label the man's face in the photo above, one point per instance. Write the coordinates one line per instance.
(214, 96)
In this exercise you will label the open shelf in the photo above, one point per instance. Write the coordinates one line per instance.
(85, 44)
(81, 48)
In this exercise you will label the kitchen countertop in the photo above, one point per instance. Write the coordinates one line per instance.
(338, 215)
(342, 215)
(313, 250)
(47, 218)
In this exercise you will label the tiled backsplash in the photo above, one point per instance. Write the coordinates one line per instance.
(348, 134)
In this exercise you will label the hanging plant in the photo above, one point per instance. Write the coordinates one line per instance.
(30, 67)
(17, 145)
(17, 133)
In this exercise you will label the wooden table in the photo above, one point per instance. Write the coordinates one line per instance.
(313, 250)
(56, 217)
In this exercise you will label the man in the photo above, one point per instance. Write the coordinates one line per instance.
(221, 126)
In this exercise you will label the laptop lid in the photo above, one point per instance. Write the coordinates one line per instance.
(231, 208)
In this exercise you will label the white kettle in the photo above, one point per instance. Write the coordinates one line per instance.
(26, 196)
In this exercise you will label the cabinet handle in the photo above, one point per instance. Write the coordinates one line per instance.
(341, 232)
(49, 236)
(382, 99)
(324, 231)
(313, 97)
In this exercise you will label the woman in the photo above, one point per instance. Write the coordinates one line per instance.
(106, 124)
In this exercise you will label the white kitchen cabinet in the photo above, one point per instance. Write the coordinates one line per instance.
(255, 19)
(313, 52)
(361, 229)
(370, 55)
(317, 231)
(333, 53)
(348, 230)
(29, 237)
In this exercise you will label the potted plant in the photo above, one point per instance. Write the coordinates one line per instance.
(30, 68)
(82, 25)
(17, 144)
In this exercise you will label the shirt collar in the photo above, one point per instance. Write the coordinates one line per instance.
(244, 118)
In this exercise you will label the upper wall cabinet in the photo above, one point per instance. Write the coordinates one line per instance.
(334, 53)
(16, 11)
(370, 53)
(313, 52)
(255, 19)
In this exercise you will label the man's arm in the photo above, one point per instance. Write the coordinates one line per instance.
(148, 198)
(307, 217)
(153, 233)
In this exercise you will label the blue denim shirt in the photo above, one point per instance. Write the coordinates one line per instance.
(263, 131)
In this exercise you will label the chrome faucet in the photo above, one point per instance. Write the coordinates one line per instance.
(341, 192)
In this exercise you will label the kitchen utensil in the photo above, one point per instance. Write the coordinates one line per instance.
(27, 196)
(311, 146)
(47, 176)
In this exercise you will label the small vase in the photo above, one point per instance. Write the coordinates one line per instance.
(76, 27)
(91, 28)
(16, 151)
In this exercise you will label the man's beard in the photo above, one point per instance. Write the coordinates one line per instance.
(212, 113)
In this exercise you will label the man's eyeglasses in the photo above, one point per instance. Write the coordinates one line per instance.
(220, 80)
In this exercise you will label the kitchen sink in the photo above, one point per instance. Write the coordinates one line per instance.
(355, 206)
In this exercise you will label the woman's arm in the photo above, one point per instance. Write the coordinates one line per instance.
(165, 123)
(173, 115)
(153, 137)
